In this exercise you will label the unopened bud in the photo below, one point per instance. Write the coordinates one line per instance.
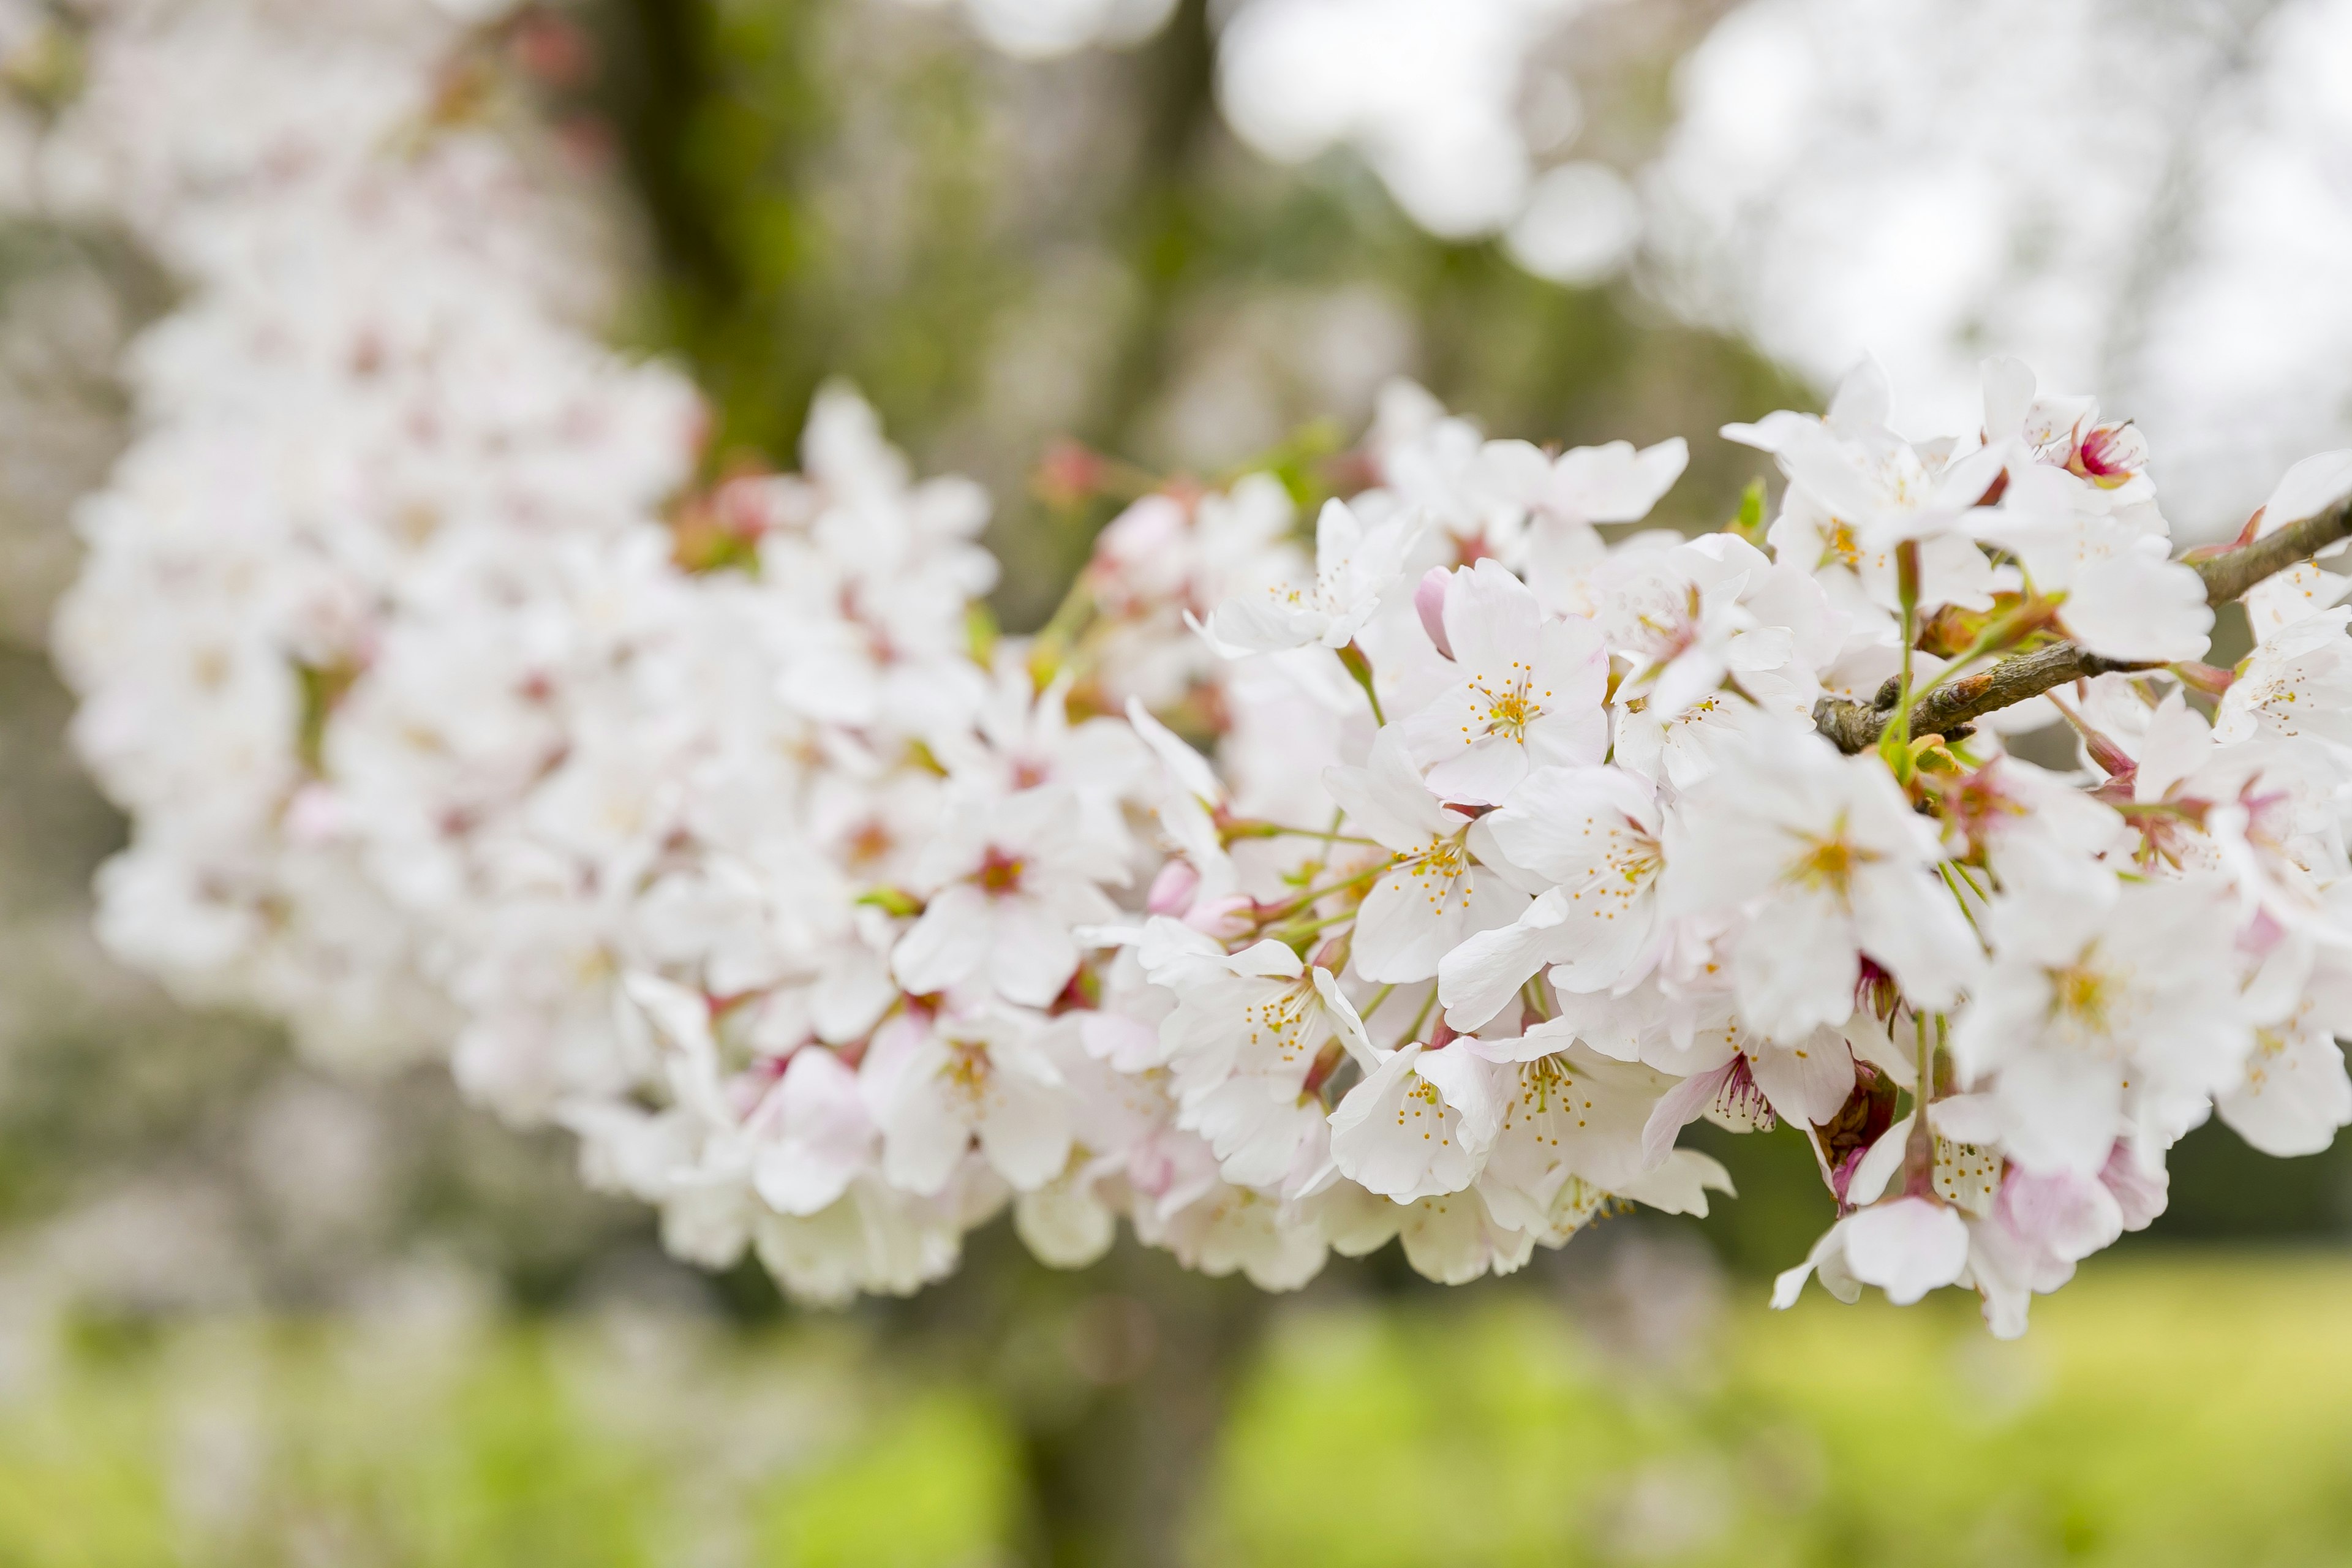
(1429, 602)
(1069, 474)
(1223, 919)
(1172, 890)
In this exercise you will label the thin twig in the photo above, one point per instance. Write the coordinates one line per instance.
(1856, 726)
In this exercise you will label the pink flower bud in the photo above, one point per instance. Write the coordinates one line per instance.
(1429, 602)
(317, 816)
(2110, 455)
(1223, 919)
(1172, 890)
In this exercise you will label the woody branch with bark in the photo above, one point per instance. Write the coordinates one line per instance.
(1857, 726)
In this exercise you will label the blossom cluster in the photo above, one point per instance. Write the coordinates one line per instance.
(370, 420)
(1423, 882)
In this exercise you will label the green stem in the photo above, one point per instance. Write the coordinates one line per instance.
(1245, 829)
(1308, 900)
(1352, 659)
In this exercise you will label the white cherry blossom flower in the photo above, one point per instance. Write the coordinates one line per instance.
(1907, 1246)
(960, 1081)
(1826, 861)
(1525, 692)
(2297, 683)
(1591, 837)
(1433, 893)
(1007, 882)
(2106, 1010)
(1354, 566)
(1420, 1123)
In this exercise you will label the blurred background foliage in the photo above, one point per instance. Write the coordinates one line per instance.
(254, 1314)
(2184, 1414)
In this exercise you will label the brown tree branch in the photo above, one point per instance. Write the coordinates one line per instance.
(1856, 726)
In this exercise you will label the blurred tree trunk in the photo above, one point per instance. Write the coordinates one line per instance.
(1122, 1477)
(1116, 1381)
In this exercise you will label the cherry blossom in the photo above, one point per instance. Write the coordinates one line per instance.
(1425, 899)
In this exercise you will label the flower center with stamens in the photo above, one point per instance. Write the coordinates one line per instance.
(2083, 996)
(868, 843)
(1278, 1021)
(1828, 864)
(967, 1067)
(1509, 714)
(1510, 710)
(1444, 865)
(1635, 859)
(1838, 544)
(999, 873)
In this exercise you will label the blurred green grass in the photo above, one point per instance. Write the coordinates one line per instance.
(2181, 1409)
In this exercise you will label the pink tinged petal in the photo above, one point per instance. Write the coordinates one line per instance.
(1347, 1023)
(1872, 1172)
(1827, 1258)
(1024, 1128)
(1614, 483)
(1367, 1145)
(2065, 1110)
(2067, 1215)
(1907, 1248)
(1576, 737)
(1796, 967)
(1268, 960)
(1429, 604)
(851, 996)
(1908, 921)
(1604, 940)
(2308, 488)
(1680, 1105)
(1473, 1087)
(1476, 979)
(1806, 1082)
(1681, 1184)
(1172, 890)
(1187, 766)
(1863, 400)
(2296, 1096)
(1562, 822)
(1485, 774)
(948, 943)
(823, 1135)
(1386, 797)
(1033, 954)
(1408, 924)
(2137, 608)
(1127, 1045)
(2141, 1193)
(1245, 626)
(922, 1138)
(1492, 619)
(2009, 385)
